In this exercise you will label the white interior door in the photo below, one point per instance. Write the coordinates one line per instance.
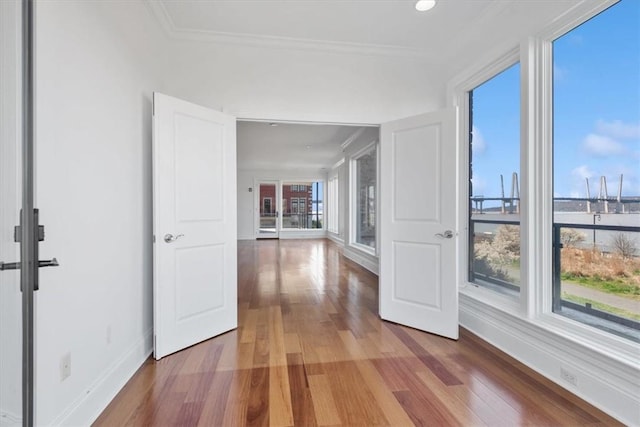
(418, 274)
(195, 258)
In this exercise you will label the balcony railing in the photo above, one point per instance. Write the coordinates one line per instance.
(599, 246)
(311, 220)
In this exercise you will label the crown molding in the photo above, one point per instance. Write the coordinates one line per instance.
(347, 142)
(174, 32)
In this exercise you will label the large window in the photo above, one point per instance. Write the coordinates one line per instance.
(596, 155)
(302, 205)
(494, 191)
(365, 172)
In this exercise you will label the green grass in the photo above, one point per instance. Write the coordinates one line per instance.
(617, 287)
(602, 307)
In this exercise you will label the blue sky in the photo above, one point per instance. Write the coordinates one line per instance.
(596, 111)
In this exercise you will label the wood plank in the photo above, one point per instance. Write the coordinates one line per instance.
(214, 406)
(258, 403)
(323, 403)
(384, 397)
(311, 350)
(301, 400)
(292, 343)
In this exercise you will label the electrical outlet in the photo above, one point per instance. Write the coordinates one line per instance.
(569, 376)
(65, 367)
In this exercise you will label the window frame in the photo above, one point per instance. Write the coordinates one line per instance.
(333, 194)
(509, 60)
(264, 205)
(353, 202)
(536, 181)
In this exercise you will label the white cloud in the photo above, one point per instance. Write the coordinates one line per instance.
(559, 73)
(582, 172)
(618, 129)
(601, 145)
(576, 39)
(479, 185)
(478, 145)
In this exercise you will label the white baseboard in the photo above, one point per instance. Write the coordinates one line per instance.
(370, 262)
(607, 384)
(86, 408)
(302, 234)
(7, 419)
(335, 238)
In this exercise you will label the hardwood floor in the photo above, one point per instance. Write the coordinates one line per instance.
(310, 350)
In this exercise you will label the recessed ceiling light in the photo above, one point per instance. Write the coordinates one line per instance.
(273, 124)
(424, 5)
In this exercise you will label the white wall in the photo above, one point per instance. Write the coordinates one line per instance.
(286, 84)
(97, 65)
(10, 296)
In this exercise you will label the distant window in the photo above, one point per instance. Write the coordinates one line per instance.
(365, 168)
(266, 203)
(332, 200)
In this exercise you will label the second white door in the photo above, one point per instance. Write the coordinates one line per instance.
(418, 241)
(195, 249)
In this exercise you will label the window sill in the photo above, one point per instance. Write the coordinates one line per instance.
(363, 248)
(611, 346)
(507, 303)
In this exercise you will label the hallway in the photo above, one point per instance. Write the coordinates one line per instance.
(311, 350)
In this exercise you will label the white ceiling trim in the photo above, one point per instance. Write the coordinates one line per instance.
(176, 33)
(352, 138)
(305, 122)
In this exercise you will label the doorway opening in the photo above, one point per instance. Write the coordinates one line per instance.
(284, 171)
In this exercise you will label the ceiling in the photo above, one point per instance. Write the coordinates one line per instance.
(452, 36)
(290, 147)
(452, 29)
(336, 21)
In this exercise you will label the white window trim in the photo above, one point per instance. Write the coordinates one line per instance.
(353, 202)
(333, 194)
(534, 305)
(461, 88)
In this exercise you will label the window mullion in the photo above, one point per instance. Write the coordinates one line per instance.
(536, 176)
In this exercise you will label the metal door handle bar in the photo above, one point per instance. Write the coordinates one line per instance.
(448, 234)
(16, 265)
(169, 238)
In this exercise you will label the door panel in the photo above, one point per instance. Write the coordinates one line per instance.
(11, 403)
(418, 273)
(195, 280)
